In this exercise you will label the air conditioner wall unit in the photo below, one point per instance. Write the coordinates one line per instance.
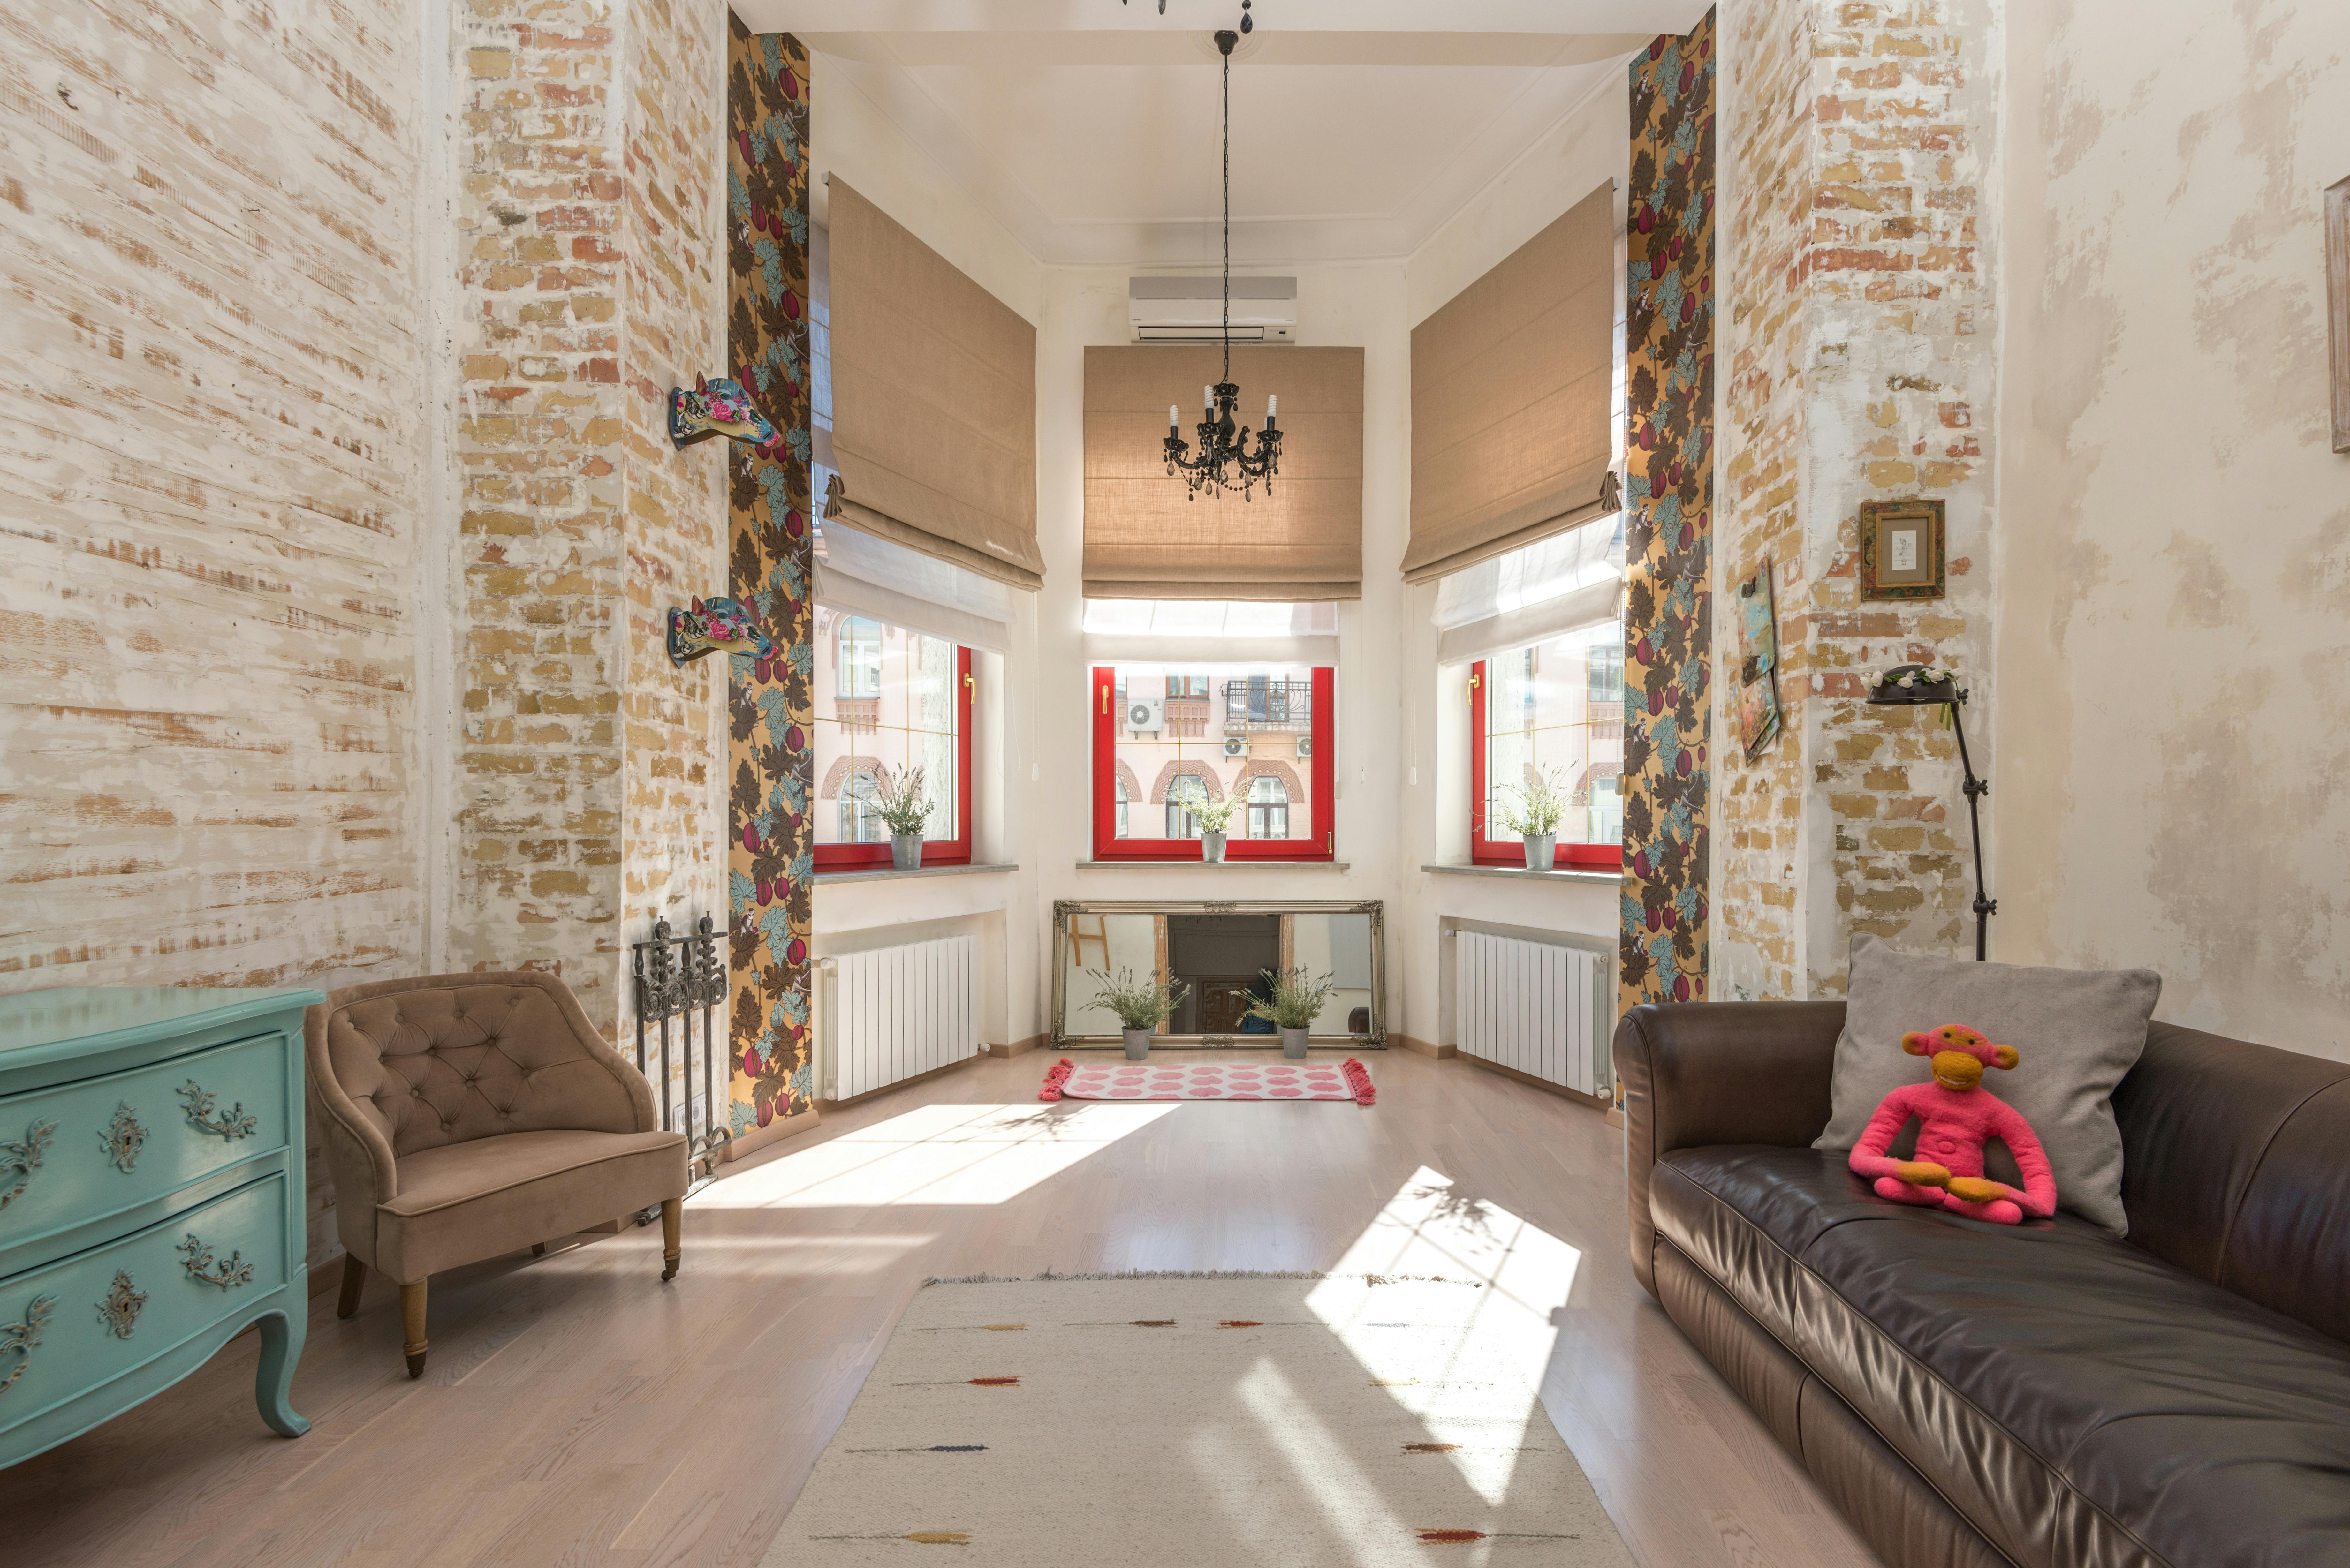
(1147, 714)
(1306, 745)
(1191, 309)
(1234, 746)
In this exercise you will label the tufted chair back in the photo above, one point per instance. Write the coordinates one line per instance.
(405, 1065)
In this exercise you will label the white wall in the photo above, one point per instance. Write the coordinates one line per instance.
(1388, 708)
(851, 137)
(1350, 306)
(1591, 145)
(2176, 570)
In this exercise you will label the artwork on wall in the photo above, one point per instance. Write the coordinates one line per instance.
(1901, 549)
(2337, 303)
(1757, 662)
(1668, 245)
(770, 697)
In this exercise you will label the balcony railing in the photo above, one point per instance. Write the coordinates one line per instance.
(1269, 705)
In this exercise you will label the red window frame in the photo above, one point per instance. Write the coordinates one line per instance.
(953, 851)
(1484, 851)
(1108, 845)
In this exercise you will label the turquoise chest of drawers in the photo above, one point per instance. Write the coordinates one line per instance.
(151, 1200)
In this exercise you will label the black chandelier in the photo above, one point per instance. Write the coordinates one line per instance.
(1226, 462)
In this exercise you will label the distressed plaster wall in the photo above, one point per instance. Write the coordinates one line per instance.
(586, 803)
(1861, 340)
(209, 473)
(2173, 739)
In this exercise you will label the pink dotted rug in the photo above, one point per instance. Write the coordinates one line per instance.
(1173, 1080)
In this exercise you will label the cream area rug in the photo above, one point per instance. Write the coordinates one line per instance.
(1166, 1421)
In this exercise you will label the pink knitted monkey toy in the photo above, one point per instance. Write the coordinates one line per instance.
(1956, 1115)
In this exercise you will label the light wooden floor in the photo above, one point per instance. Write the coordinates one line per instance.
(578, 1412)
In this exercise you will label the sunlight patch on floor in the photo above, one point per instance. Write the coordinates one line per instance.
(1524, 1274)
(942, 1155)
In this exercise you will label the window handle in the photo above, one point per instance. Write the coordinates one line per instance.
(969, 686)
(1105, 701)
(1474, 683)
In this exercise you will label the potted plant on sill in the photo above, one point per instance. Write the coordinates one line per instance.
(897, 796)
(1296, 1001)
(1141, 1005)
(1535, 818)
(1213, 817)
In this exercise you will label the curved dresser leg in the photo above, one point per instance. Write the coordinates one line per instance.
(273, 1383)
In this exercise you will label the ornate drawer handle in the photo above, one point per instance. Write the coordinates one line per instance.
(232, 1272)
(120, 1308)
(19, 1160)
(122, 1138)
(17, 1339)
(236, 1124)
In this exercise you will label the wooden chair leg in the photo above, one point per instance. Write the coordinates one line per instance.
(411, 1325)
(672, 1223)
(354, 1276)
(538, 1249)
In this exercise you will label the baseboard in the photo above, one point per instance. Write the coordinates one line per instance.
(1423, 1048)
(327, 1276)
(902, 1082)
(1018, 1047)
(1596, 1102)
(754, 1138)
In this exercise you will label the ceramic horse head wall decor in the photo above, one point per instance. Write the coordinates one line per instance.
(716, 626)
(717, 408)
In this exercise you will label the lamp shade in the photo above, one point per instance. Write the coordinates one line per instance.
(1890, 691)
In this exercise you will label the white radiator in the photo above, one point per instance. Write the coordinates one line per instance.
(899, 1013)
(1530, 1006)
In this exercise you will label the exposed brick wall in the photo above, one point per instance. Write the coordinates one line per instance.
(540, 667)
(1861, 369)
(590, 283)
(673, 322)
(209, 484)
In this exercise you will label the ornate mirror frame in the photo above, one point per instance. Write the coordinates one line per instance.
(1374, 1038)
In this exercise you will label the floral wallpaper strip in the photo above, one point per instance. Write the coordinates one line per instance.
(1668, 518)
(770, 700)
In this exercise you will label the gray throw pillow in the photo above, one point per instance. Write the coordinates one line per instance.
(2078, 1032)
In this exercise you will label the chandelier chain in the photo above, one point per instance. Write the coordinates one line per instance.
(1228, 215)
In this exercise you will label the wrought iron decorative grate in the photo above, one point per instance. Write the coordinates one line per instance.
(675, 977)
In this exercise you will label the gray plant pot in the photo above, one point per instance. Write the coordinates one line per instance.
(906, 851)
(1211, 847)
(1138, 1044)
(1293, 1044)
(1541, 849)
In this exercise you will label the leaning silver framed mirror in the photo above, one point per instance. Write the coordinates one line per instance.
(1220, 951)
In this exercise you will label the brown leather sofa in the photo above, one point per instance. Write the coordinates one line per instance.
(2044, 1395)
(469, 1115)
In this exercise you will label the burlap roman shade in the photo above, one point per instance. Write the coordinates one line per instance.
(1510, 399)
(1144, 540)
(933, 402)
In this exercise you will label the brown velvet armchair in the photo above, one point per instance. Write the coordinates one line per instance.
(466, 1115)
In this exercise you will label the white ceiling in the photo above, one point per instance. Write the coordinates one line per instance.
(1089, 129)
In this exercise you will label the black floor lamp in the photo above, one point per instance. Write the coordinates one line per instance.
(1915, 686)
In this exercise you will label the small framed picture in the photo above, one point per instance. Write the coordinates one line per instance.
(1901, 549)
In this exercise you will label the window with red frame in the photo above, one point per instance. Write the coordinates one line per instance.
(1554, 711)
(888, 698)
(1165, 739)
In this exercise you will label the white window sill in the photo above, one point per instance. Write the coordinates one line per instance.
(1212, 866)
(889, 873)
(1567, 874)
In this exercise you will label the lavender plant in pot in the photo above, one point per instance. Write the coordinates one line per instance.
(1296, 1001)
(900, 797)
(1535, 817)
(1213, 817)
(1141, 1004)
